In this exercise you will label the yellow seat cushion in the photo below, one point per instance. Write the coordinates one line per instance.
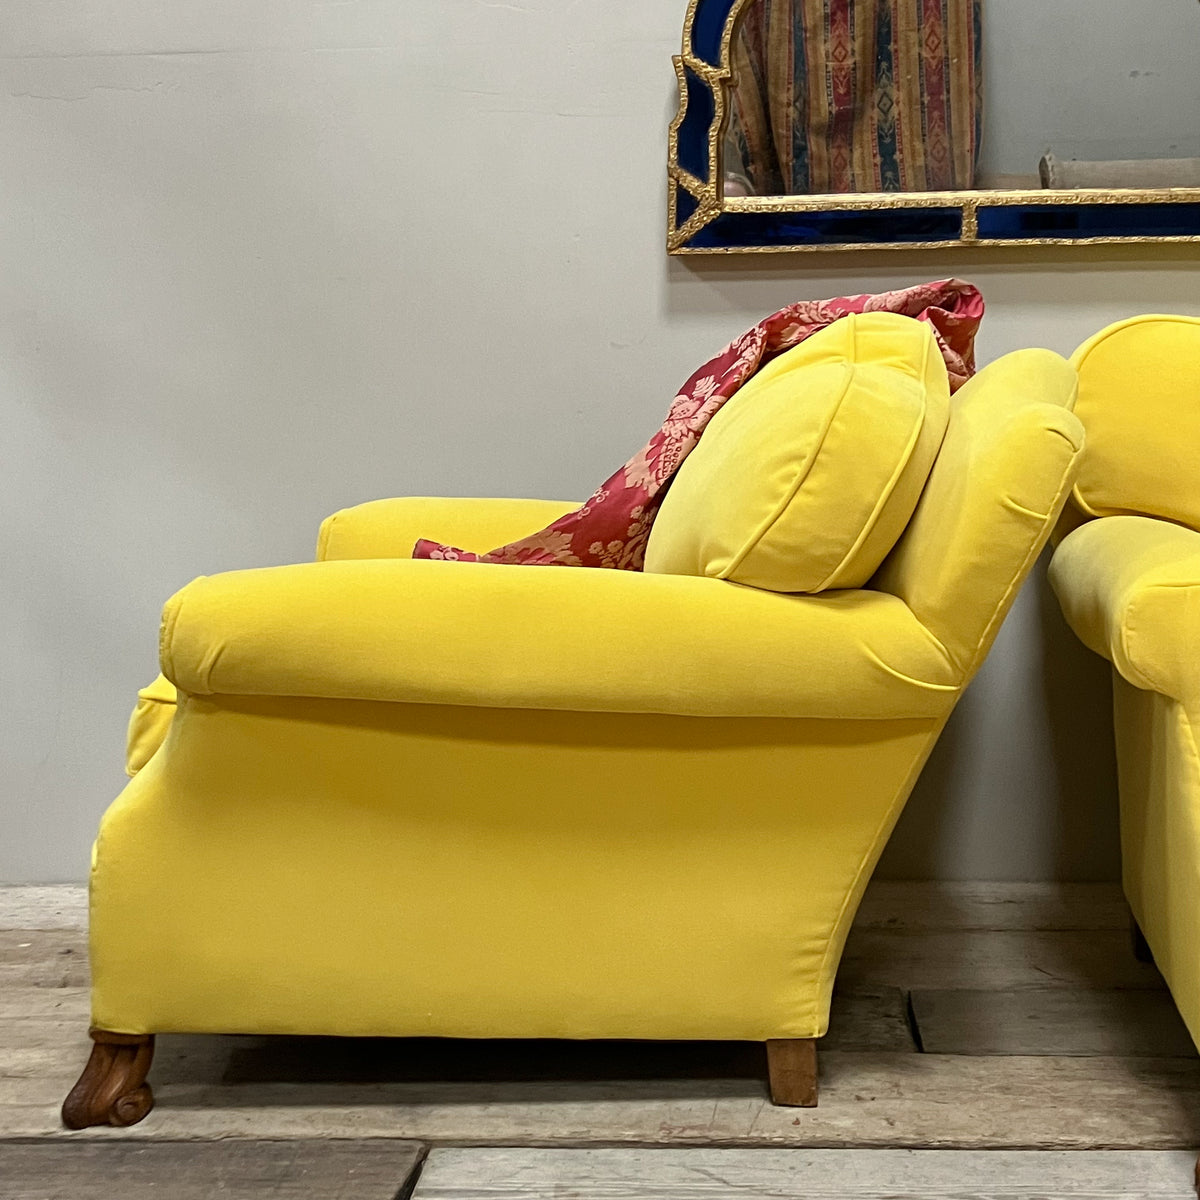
(809, 474)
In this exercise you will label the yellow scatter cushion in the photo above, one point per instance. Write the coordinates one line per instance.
(807, 477)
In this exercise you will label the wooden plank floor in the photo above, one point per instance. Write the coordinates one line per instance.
(605, 1174)
(293, 1170)
(1058, 1021)
(62, 907)
(1048, 1036)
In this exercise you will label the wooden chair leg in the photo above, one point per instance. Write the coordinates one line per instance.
(112, 1089)
(1141, 947)
(1198, 1177)
(792, 1066)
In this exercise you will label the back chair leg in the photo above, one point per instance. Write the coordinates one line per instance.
(112, 1089)
(1141, 947)
(792, 1066)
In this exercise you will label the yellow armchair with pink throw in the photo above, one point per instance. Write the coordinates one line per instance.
(1128, 578)
(382, 796)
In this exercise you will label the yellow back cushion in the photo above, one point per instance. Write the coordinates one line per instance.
(809, 474)
(1139, 400)
(1001, 478)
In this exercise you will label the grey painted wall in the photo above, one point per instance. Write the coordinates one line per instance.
(1092, 79)
(263, 261)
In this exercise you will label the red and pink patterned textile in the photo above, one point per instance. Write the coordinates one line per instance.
(612, 528)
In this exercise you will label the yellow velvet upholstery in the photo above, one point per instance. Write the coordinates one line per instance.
(808, 475)
(954, 566)
(148, 725)
(428, 632)
(1129, 585)
(1130, 588)
(379, 529)
(1138, 401)
(336, 867)
(390, 528)
(1158, 767)
(403, 798)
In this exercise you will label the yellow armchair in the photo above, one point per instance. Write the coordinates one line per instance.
(404, 798)
(1128, 578)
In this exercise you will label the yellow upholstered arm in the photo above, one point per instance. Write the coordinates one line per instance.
(545, 637)
(1130, 588)
(380, 529)
(389, 528)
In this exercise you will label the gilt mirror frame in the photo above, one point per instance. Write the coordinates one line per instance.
(703, 220)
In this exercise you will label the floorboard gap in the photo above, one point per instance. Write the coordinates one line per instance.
(414, 1177)
(914, 1027)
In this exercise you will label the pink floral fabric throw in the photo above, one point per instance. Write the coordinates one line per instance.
(612, 528)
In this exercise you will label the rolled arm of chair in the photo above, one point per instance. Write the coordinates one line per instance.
(551, 638)
(390, 528)
(1130, 588)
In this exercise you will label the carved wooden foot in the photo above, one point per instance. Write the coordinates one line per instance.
(792, 1065)
(112, 1089)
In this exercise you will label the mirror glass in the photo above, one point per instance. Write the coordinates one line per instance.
(853, 96)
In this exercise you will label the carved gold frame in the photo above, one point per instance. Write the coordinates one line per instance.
(1087, 216)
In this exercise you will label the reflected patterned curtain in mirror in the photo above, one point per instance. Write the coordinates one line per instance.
(840, 96)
